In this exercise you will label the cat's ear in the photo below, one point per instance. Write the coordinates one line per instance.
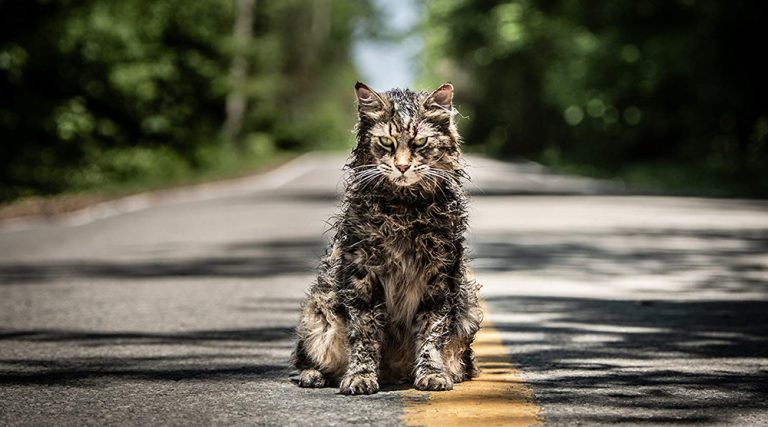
(441, 98)
(368, 101)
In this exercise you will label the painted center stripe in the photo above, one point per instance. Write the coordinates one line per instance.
(497, 397)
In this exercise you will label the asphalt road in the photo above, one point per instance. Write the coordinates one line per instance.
(179, 309)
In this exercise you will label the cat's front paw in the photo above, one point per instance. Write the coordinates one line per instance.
(433, 381)
(359, 384)
(311, 378)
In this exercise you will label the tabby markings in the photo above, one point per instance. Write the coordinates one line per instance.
(499, 396)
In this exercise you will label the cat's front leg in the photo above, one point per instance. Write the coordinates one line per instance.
(432, 334)
(365, 335)
(365, 326)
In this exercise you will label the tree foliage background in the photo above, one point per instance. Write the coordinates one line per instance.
(664, 93)
(667, 94)
(100, 92)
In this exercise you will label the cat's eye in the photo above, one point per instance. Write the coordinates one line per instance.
(386, 142)
(420, 142)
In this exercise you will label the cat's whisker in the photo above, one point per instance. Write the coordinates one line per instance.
(459, 175)
(431, 180)
(438, 186)
(368, 170)
(446, 175)
(363, 182)
(371, 182)
(436, 175)
(367, 178)
(363, 166)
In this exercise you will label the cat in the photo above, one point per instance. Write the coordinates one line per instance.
(394, 300)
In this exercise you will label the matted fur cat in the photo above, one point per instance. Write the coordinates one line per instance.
(394, 301)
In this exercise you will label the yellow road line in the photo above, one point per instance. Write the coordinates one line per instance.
(499, 396)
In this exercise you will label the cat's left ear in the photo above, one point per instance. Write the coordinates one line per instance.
(441, 98)
(368, 101)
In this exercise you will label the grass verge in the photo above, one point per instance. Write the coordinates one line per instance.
(70, 201)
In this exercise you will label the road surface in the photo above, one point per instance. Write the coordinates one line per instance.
(603, 307)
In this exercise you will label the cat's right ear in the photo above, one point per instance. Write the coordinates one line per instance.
(441, 98)
(368, 101)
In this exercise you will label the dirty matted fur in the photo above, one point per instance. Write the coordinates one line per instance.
(394, 300)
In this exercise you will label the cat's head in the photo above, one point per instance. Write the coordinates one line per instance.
(406, 138)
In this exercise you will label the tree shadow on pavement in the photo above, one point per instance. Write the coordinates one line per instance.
(693, 353)
(240, 260)
(90, 358)
(207, 355)
(732, 261)
(639, 362)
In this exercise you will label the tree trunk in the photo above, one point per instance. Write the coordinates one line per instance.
(238, 73)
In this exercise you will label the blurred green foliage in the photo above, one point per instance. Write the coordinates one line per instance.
(663, 93)
(97, 93)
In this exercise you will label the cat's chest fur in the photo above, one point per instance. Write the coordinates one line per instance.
(403, 281)
(408, 244)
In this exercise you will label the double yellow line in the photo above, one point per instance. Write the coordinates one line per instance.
(498, 397)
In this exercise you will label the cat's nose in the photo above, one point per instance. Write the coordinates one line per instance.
(402, 168)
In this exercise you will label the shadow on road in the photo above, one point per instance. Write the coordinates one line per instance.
(612, 361)
(726, 260)
(730, 261)
(226, 355)
(651, 361)
(240, 260)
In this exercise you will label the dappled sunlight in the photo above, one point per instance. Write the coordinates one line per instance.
(648, 263)
(624, 361)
